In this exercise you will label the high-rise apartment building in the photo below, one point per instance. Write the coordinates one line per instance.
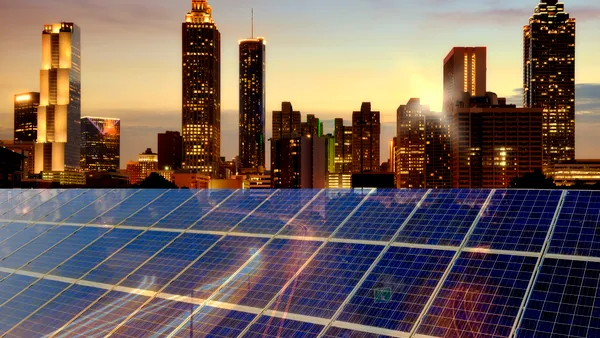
(26, 117)
(465, 71)
(366, 134)
(100, 143)
(494, 142)
(58, 146)
(170, 150)
(313, 127)
(343, 147)
(252, 103)
(287, 122)
(438, 152)
(201, 85)
(549, 77)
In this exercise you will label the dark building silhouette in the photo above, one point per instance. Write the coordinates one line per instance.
(300, 163)
(366, 134)
(26, 115)
(170, 150)
(549, 77)
(252, 103)
(100, 143)
(287, 122)
(343, 147)
(201, 84)
(313, 127)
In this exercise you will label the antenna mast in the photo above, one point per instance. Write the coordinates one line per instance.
(253, 23)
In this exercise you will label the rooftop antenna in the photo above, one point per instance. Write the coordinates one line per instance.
(253, 23)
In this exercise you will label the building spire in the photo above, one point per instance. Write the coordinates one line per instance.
(253, 23)
(201, 12)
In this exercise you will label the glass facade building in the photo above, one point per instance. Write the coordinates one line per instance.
(366, 134)
(100, 143)
(26, 110)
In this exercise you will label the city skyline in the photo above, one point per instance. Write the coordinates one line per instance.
(337, 96)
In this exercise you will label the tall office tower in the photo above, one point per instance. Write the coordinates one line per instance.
(343, 147)
(411, 139)
(201, 99)
(438, 152)
(366, 134)
(549, 77)
(286, 123)
(58, 146)
(26, 117)
(313, 127)
(169, 150)
(494, 142)
(302, 163)
(465, 70)
(100, 143)
(252, 103)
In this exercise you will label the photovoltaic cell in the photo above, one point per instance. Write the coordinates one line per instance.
(57, 312)
(336, 332)
(67, 210)
(267, 273)
(215, 267)
(270, 217)
(100, 206)
(324, 214)
(12, 285)
(11, 229)
(51, 205)
(128, 207)
(396, 291)
(31, 204)
(516, 220)
(381, 215)
(127, 259)
(156, 273)
(193, 210)
(217, 323)
(444, 218)
(158, 209)
(69, 247)
(576, 231)
(17, 198)
(480, 298)
(565, 301)
(276, 327)
(327, 280)
(21, 238)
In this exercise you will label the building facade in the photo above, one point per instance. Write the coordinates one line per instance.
(494, 142)
(411, 156)
(170, 150)
(26, 115)
(580, 172)
(100, 143)
(252, 103)
(549, 76)
(286, 123)
(366, 134)
(343, 147)
(201, 85)
(58, 146)
(313, 127)
(300, 163)
(465, 71)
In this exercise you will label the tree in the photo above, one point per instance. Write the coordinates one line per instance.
(155, 181)
(534, 180)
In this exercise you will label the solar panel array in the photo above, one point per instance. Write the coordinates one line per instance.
(310, 263)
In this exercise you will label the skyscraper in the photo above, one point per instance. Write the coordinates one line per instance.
(100, 143)
(201, 86)
(26, 115)
(549, 76)
(343, 147)
(465, 71)
(286, 123)
(366, 134)
(313, 127)
(252, 103)
(411, 140)
(169, 150)
(59, 114)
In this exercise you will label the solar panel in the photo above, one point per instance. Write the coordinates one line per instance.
(314, 263)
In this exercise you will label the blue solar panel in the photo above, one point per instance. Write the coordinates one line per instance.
(67, 210)
(37, 247)
(576, 231)
(516, 220)
(276, 212)
(12, 285)
(57, 312)
(11, 229)
(218, 323)
(31, 204)
(215, 267)
(92, 255)
(124, 261)
(444, 218)
(16, 199)
(51, 205)
(324, 214)
(277, 327)
(480, 298)
(327, 280)
(336, 332)
(21, 238)
(191, 211)
(168, 263)
(565, 301)
(380, 217)
(128, 207)
(100, 206)
(158, 209)
(396, 291)
(267, 273)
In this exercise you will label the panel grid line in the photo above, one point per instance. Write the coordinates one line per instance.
(61, 191)
(536, 271)
(25, 201)
(374, 264)
(451, 265)
(243, 266)
(306, 263)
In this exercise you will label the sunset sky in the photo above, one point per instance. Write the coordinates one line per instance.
(325, 56)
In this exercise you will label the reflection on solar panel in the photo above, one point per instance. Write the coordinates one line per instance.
(333, 263)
